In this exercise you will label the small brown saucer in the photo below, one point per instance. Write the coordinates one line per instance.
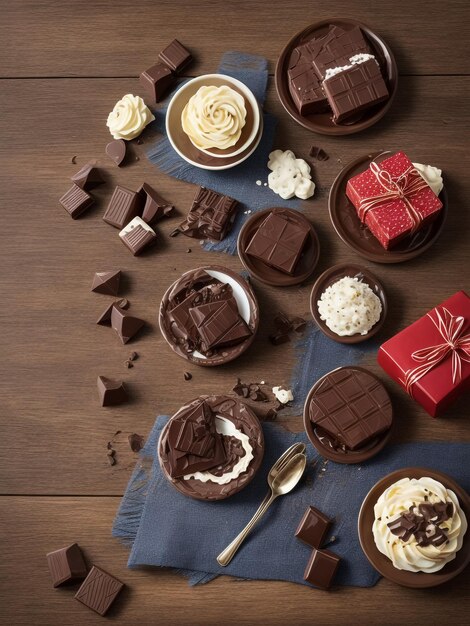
(322, 122)
(244, 420)
(334, 274)
(270, 275)
(416, 580)
(323, 443)
(359, 238)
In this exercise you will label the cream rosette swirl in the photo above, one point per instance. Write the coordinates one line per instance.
(408, 555)
(214, 117)
(129, 117)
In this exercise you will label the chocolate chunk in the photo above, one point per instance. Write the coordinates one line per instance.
(351, 406)
(111, 392)
(278, 242)
(423, 521)
(99, 590)
(211, 216)
(318, 153)
(136, 442)
(299, 324)
(219, 324)
(123, 303)
(155, 206)
(313, 528)
(306, 90)
(157, 81)
(175, 56)
(278, 339)
(88, 176)
(187, 376)
(321, 568)
(282, 323)
(355, 89)
(122, 208)
(116, 150)
(76, 201)
(107, 282)
(66, 565)
(105, 317)
(125, 325)
(133, 355)
(137, 236)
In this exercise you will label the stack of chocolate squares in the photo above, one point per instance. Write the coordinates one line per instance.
(336, 70)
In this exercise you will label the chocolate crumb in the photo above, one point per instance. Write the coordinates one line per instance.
(133, 356)
(136, 442)
(112, 460)
(188, 250)
(123, 303)
(111, 452)
(128, 364)
(74, 160)
(137, 158)
(187, 376)
(140, 141)
(318, 153)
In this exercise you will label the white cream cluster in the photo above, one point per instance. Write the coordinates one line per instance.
(289, 176)
(408, 555)
(214, 117)
(129, 117)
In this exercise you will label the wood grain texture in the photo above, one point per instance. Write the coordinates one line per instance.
(53, 433)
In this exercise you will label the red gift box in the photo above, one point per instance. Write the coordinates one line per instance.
(393, 199)
(431, 358)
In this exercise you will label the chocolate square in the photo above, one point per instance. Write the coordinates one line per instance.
(157, 80)
(66, 565)
(355, 89)
(306, 90)
(313, 528)
(122, 208)
(219, 324)
(278, 242)
(75, 201)
(210, 216)
(99, 590)
(137, 236)
(321, 568)
(175, 56)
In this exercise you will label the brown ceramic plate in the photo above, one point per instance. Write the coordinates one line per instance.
(359, 238)
(247, 307)
(332, 275)
(417, 580)
(245, 420)
(271, 275)
(320, 440)
(322, 122)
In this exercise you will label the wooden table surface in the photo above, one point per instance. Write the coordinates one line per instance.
(63, 66)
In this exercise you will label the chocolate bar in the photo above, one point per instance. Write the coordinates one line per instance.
(111, 392)
(157, 81)
(106, 283)
(313, 528)
(137, 236)
(124, 324)
(155, 206)
(210, 216)
(278, 242)
(355, 89)
(219, 324)
(122, 208)
(88, 177)
(66, 565)
(99, 590)
(321, 568)
(175, 56)
(351, 406)
(76, 201)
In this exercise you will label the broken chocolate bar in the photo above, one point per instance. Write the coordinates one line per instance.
(66, 565)
(111, 392)
(138, 236)
(211, 216)
(157, 80)
(106, 282)
(219, 324)
(75, 201)
(175, 56)
(99, 590)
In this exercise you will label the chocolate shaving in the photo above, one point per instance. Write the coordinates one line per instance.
(423, 521)
(252, 391)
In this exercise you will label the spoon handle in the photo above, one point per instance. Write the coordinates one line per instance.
(227, 555)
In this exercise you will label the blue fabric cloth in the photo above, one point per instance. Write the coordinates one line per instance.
(238, 182)
(168, 529)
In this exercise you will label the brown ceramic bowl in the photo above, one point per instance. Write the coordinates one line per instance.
(247, 307)
(416, 580)
(245, 420)
(332, 275)
(322, 122)
(320, 440)
(271, 275)
(359, 238)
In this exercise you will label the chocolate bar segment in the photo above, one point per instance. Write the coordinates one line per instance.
(122, 208)
(157, 81)
(138, 236)
(88, 177)
(313, 527)
(66, 565)
(321, 568)
(76, 201)
(99, 590)
(219, 324)
(155, 206)
(211, 216)
(175, 56)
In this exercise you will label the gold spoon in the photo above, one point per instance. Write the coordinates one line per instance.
(281, 482)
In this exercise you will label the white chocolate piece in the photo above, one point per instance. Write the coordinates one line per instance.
(137, 221)
(289, 176)
(283, 395)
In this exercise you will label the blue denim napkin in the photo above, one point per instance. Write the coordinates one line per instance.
(238, 182)
(165, 528)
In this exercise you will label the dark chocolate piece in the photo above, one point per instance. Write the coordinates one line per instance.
(107, 282)
(321, 568)
(211, 216)
(306, 90)
(423, 522)
(278, 242)
(338, 48)
(122, 208)
(116, 150)
(252, 391)
(187, 376)
(219, 324)
(88, 177)
(111, 392)
(313, 528)
(66, 565)
(157, 81)
(351, 406)
(155, 206)
(133, 355)
(125, 325)
(175, 56)
(138, 236)
(99, 590)
(105, 317)
(136, 442)
(318, 153)
(277, 339)
(355, 89)
(76, 201)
